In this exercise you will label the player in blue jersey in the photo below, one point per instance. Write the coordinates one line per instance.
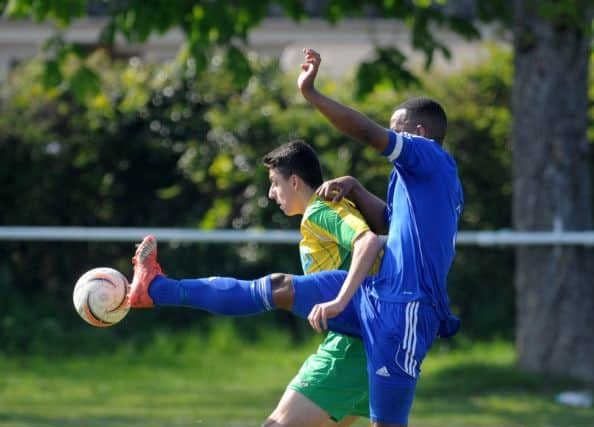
(405, 306)
(424, 198)
(400, 310)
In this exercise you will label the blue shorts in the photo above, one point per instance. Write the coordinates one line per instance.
(396, 335)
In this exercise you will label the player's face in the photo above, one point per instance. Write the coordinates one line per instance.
(284, 192)
(400, 122)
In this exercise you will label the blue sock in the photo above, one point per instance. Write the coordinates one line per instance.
(218, 295)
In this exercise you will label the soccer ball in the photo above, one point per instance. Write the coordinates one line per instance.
(100, 296)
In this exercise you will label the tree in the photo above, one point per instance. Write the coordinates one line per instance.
(552, 191)
(555, 301)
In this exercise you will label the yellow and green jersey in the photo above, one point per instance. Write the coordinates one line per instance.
(335, 377)
(328, 231)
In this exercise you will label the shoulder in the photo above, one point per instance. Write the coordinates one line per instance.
(328, 213)
(317, 207)
(320, 208)
(425, 144)
(346, 207)
(403, 145)
(424, 156)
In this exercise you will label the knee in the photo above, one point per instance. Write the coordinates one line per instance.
(282, 290)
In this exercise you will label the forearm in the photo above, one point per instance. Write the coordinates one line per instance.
(365, 252)
(371, 207)
(348, 121)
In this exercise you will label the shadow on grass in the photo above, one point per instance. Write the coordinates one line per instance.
(6, 419)
(476, 377)
(227, 405)
(491, 394)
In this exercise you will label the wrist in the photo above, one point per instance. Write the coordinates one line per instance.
(341, 302)
(355, 187)
(309, 93)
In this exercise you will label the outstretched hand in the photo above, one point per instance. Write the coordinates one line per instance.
(320, 313)
(337, 188)
(309, 70)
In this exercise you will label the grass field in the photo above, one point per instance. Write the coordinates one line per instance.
(220, 381)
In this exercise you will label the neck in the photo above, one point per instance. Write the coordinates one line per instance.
(304, 196)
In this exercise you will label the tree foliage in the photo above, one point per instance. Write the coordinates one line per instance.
(224, 25)
(538, 26)
(157, 146)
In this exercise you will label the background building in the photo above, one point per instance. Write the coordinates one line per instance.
(343, 45)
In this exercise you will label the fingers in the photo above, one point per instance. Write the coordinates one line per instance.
(309, 51)
(309, 70)
(322, 191)
(338, 194)
(314, 318)
(312, 57)
(317, 318)
(331, 191)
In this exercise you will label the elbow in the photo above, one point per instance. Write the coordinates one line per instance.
(377, 242)
(381, 229)
(371, 241)
(380, 226)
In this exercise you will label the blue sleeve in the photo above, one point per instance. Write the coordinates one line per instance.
(413, 153)
(390, 196)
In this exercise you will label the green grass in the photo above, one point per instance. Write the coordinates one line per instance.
(479, 386)
(221, 381)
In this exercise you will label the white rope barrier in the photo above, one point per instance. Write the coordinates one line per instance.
(133, 234)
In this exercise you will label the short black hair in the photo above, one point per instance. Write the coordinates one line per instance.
(296, 157)
(429, 114)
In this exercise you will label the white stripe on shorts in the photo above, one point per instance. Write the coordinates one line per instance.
(410, 337)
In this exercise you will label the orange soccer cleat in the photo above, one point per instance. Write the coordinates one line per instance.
(146, 268)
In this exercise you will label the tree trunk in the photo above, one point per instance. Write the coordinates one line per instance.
(554, 285)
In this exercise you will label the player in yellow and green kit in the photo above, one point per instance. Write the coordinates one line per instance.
(332, 383)
(331, 389)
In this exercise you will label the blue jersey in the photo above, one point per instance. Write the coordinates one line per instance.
(424, 203)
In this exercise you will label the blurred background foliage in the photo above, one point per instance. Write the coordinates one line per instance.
(158, 146)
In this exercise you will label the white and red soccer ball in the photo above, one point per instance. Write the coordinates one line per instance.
(100, 296)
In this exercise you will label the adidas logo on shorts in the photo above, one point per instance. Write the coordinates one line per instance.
(382, 372)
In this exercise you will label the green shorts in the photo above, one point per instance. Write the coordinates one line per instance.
(335, 378)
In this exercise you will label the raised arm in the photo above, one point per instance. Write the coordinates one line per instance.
(371, 207)
(350, 122)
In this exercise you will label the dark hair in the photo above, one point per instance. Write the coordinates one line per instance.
(296, 157)
(429, 114)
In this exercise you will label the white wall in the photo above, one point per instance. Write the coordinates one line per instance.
(342, 46)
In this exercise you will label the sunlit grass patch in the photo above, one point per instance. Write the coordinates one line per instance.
(224, 380)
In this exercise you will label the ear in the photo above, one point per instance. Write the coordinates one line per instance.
(295, 181)
(421, 131)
